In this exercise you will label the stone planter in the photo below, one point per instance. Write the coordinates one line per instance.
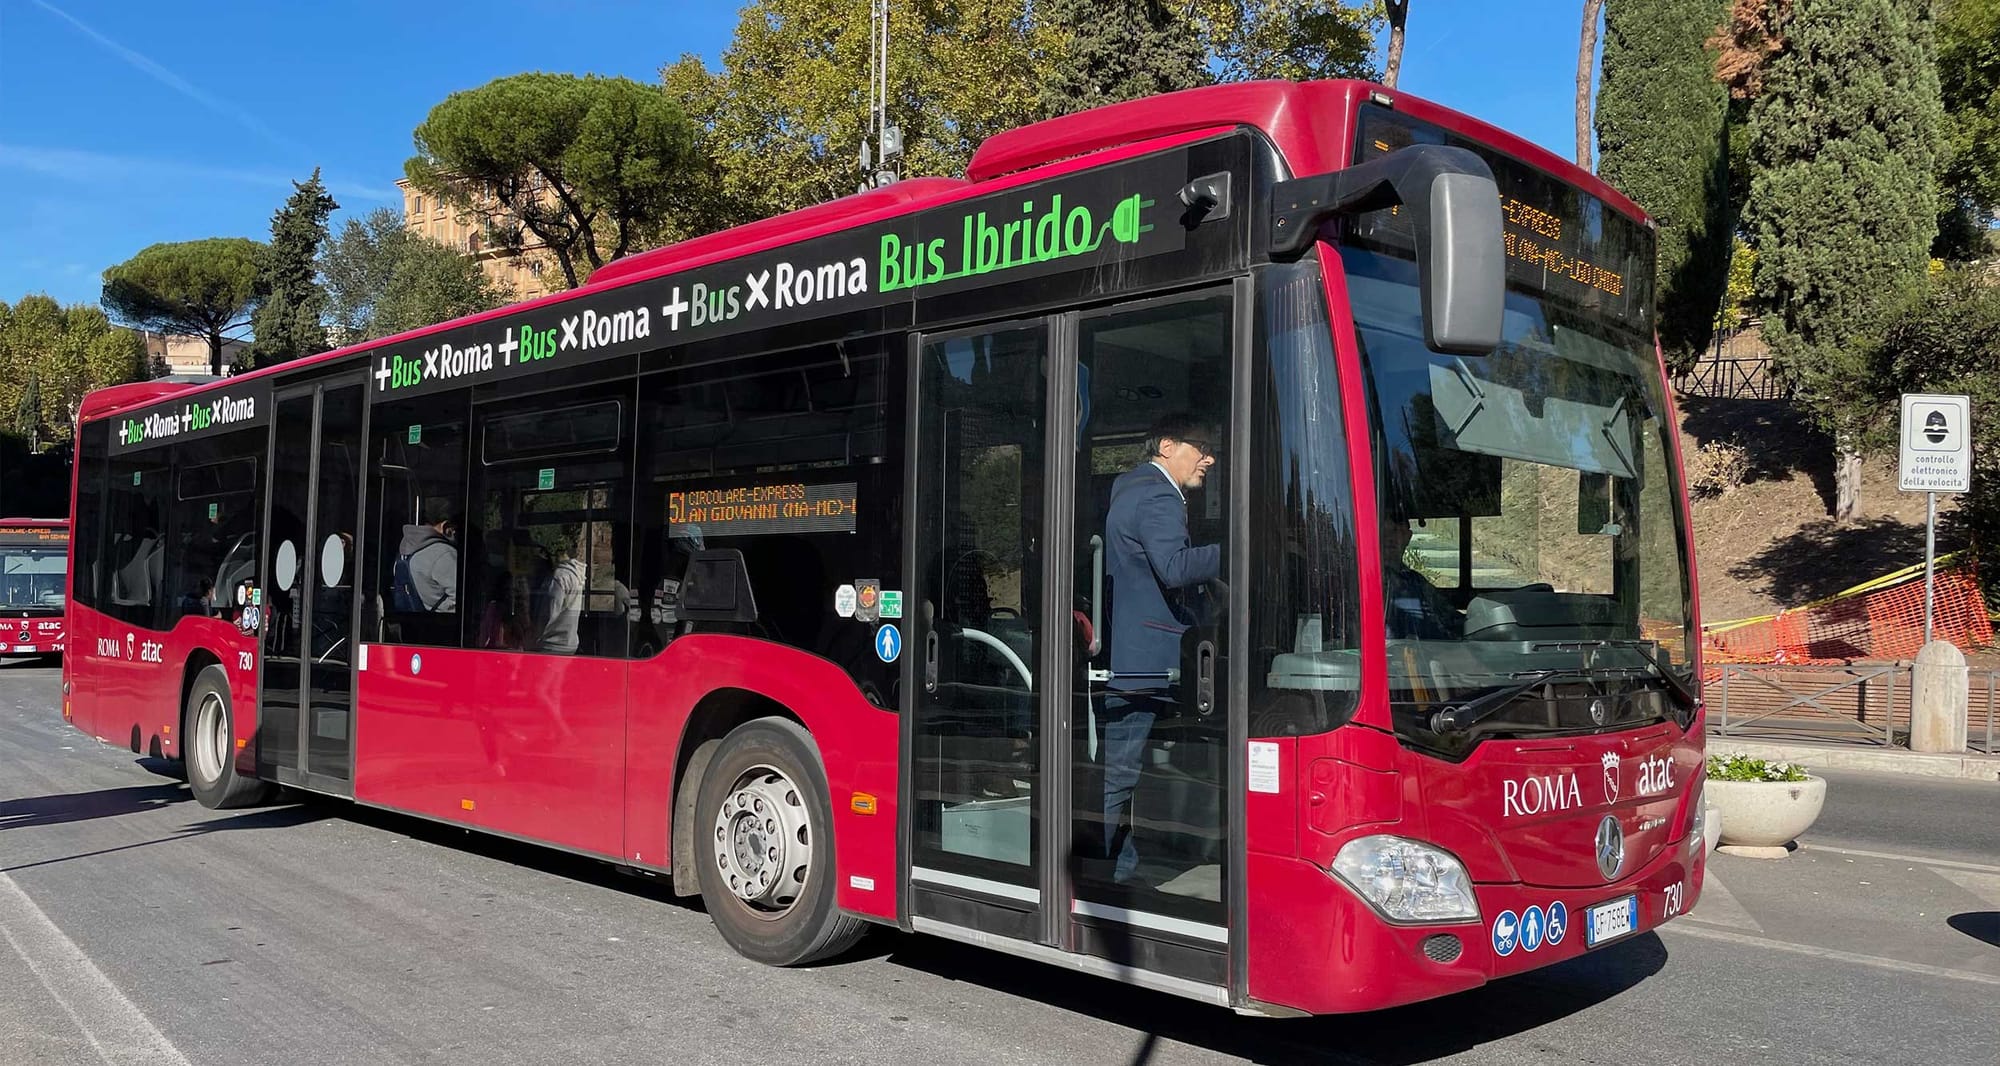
(1766, 814)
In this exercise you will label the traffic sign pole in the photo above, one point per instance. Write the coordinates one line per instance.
(1930, 559)
(1934, 455)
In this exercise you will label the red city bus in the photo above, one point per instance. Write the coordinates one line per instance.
(789, 562)
(34, 557)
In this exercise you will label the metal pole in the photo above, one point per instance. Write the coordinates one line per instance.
(1725, 699)
(1930, 558)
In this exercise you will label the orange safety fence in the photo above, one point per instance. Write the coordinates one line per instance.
(1880, 619)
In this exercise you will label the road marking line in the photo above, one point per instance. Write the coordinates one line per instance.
(1915, 860)
(1984, 885)
(118, 1031)
(1718, 906)
(1875, 961)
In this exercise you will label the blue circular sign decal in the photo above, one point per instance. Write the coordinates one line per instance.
(1533, 925)
(1506, 933)
(1558, 924)
(888, 643)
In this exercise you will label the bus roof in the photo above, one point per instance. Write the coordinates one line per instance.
(1309, 122)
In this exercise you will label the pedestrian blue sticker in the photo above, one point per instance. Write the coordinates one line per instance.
(888, 643)
(1558, 924)
(1506, 933)
(1533, 925)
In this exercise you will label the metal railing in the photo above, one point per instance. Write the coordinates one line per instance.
(1838, 703)
(1810, 714)
(1732, 379)
(1977, 739)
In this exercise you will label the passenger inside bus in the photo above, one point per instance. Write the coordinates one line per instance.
(556, 606)
(1159, 579)
(426, 576)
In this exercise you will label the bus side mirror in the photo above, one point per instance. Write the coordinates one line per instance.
(1455, 211)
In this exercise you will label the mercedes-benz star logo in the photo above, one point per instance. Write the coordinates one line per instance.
(1610, 847)
(1597, 712)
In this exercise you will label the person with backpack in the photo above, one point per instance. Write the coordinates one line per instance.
(427, 562)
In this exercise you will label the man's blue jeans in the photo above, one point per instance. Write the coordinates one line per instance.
(1123, 730)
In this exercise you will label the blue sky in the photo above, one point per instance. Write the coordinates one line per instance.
(125, 123)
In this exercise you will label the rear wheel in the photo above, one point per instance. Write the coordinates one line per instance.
(209, 746)
(764, 847)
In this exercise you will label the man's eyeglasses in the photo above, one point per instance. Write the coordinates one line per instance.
(1207, 450)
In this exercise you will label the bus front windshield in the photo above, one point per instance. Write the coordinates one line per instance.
(32, 578)
(1530, 518)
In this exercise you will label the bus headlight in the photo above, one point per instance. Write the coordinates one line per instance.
(1407, 880)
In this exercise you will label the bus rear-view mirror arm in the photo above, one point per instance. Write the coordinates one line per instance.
(1455, 211)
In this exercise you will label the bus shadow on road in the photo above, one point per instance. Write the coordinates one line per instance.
(266, 818)
(1979, 925)
(85, 806)
(539, 857)
(1417, 1033)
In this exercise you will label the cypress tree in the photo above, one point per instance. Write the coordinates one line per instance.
(1844, 146)
(1115, 50)
(290, 302)
(1663, 140)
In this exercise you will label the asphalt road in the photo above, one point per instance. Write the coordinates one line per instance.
(136, 927)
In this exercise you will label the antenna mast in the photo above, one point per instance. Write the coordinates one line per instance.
(877, 167)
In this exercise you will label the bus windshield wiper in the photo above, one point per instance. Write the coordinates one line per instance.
(1677, 686)
(1470, 713)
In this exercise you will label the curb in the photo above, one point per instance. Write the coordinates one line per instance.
(1854, 757)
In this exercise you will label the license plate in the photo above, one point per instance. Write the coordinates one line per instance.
(1608, 921)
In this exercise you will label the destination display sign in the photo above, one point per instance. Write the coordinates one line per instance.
(194, 416)
(748, 510)
(15, 536)
(1088, 220)
(1560, 240)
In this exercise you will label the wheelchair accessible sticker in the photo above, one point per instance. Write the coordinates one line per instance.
(1558, 924)
(888, 643)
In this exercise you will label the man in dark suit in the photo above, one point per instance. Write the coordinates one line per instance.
(1156, 578)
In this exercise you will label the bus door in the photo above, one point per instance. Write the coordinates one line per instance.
(976, 626)
(305, 704)
(1071, 739)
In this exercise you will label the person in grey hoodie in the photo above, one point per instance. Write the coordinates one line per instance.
(430, 554)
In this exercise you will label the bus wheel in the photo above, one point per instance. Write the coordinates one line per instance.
(764, 847)
(210, 746)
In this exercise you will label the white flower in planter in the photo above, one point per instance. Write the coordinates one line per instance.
(1763, 804)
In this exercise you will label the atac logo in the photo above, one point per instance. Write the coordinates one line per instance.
(1656, 775)
(1610, 777)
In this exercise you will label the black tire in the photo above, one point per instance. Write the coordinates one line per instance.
(208, 746)
(785, 931)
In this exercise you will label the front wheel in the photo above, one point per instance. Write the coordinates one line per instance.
(764, 847)
(209, 746)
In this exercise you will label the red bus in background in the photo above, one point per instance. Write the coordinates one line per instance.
(34, 564)
(781, 562)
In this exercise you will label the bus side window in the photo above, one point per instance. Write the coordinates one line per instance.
(550, 523)
(135, 555)
(413, 582)
(218, 492)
